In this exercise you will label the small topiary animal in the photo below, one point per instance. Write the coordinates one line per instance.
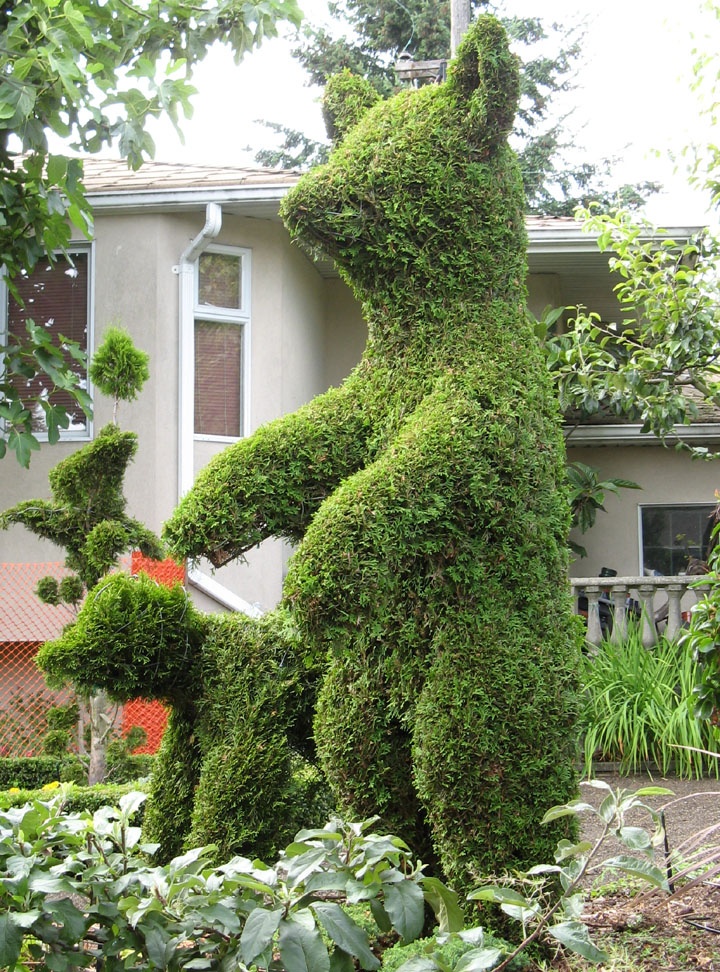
(427, 493)
(226, 770)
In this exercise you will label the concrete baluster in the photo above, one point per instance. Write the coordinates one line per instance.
(594, 629)
(646, 593)
(674, 621)
(618, 596)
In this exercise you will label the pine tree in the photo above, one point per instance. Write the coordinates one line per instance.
(378, 33)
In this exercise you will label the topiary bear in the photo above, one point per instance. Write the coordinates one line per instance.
(426, 494)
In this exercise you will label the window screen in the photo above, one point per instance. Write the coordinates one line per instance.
(55, 297)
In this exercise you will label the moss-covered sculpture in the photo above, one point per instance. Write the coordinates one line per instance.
(426, 493)
(229, 768)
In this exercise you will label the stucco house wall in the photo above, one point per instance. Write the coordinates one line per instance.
(306, 334)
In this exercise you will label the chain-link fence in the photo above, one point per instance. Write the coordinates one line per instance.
(25, 623)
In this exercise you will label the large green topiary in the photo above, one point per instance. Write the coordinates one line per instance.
(428, 492)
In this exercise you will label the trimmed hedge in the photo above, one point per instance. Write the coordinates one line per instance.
(78, 798)
(34, 772)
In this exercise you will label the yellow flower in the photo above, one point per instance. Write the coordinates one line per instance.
(52, 786)
(14, 789)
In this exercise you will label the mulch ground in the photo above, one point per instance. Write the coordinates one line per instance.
(651, 931)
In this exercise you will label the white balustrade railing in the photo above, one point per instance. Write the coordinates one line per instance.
(609, 602)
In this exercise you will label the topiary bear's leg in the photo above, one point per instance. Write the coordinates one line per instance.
(365, 750)
(425, 575)
(255, 693)
(494, 746)
(167, 815)
(271, 483)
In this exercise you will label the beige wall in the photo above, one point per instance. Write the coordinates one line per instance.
(306, 334)
(666, 477)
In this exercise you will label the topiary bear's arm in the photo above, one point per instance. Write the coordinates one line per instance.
(270, 484)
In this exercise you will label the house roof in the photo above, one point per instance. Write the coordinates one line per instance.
(113, 175)
(23, 616)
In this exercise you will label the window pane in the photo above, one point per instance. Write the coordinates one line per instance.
(671, 535)
(56, 298)
(219, 280)
(218, 377)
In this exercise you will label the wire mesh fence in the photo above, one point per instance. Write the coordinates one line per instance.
(25, 699)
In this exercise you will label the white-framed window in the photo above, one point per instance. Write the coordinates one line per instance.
(57, 296)
(671, 535)
(222, 342)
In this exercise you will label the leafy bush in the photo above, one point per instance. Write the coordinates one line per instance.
(76, 799)
(29, 772)
(639, 708)
(191, 915)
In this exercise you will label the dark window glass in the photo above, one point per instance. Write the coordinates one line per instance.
(219, 280)
(55, 297)
(671, 535)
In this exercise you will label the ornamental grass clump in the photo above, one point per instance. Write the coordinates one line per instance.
(639, 708)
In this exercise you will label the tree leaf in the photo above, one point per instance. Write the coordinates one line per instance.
(345, 933)
(637, 867)
(444, 903)
(257, 935)
(405, 905)
(575, 936)
(11, 938)
(302, 949)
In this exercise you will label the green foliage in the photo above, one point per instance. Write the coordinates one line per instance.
(48, 590)
(142, 58)
(189, 914)
(660, 360)
(548, 899)
(639, 708)
(701, 643)
(86, 515)
(128, 628)
(22, 360)
(118, 368)
(346, 98)
(228, 771)
(469, 950)
(426, 494)
(63, 716)
(29, 772)
(56, 742)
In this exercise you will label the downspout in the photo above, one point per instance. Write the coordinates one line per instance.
(186, 327)
(185, 270)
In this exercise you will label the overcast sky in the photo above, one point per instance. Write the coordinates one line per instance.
(632, 98)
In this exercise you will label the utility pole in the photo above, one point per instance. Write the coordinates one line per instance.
(422, 71)
(459, 22)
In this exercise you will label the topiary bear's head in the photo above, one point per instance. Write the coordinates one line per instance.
(133, 638)
(421, 193)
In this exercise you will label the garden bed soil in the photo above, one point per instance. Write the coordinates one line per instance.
(653, 931)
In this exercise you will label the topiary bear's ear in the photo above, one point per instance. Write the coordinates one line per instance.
(346, 99)
(486, 75)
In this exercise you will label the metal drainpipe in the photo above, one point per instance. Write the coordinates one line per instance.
(185, 270)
